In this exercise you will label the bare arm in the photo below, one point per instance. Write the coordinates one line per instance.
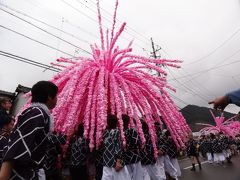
(220, 103)
(6, 170)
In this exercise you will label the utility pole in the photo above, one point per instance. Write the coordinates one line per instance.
(154, 54)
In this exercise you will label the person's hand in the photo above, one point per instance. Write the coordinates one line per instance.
(219, 103)
(118, 166)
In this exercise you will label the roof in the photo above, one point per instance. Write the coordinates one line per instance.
(7, 94)
(23, 89)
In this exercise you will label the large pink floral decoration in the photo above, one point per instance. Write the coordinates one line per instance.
(229, 127)
(115, 80)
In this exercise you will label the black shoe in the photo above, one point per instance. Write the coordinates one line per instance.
(193, 169)
(200, 167)
(229, 161)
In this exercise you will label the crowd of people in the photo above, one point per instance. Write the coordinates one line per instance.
(32, 150)
(215, 148)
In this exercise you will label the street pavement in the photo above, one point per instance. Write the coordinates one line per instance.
(211, 171)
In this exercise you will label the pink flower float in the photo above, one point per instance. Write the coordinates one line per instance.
(117, 81)
(229, 127)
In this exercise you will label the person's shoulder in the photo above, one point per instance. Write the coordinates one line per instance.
(33, 110)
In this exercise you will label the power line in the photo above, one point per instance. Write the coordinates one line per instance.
(45, 31)
(155, 56)
(109, 14)
(23, 35)
(68, 4)
(218, 47)
(203, 98)
(132, 29)
(28, 61)
(65, 20)
(206, 70)
(42, 22)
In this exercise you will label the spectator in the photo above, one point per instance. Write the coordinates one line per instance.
(230, 98)
(5, 104)
(6, 126)
(28, 142)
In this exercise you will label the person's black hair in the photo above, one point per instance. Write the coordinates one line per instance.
(112, 121)
(4, 119)
(42, 90)
(80, 130)
(126, 120)
(4, 100)
(212, 136)
(145, 127)
(167, 133)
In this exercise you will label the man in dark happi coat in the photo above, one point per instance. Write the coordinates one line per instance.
(193, 152)
(54, 148)
(27, 144)
(131, 154)
(218, 150)
(148, 160)
(6, 126)
(79, 150)
(113, 165)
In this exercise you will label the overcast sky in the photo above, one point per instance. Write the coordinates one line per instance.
(204, 34)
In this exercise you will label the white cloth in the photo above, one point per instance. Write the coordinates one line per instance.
(143, 173)
(209, 157)
(175, 164)
(169, 168)
(218, 157)
(136, 171)
(160, 165)
(154, 172)
(41, 174)
(111, 174)
(45, 108)
(227, 153)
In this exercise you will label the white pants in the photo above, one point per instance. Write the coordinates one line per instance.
(227, 153)
(169, 168)
(209, 157)
(136, 171)
(141, 174)
(154, 172)
(111, 174)
(41, 174)
(218, 157)
(175, 164)
(160, 165)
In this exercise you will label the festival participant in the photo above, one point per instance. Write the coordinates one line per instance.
(202, 147)
(208, 148)
(131, 154)
(171, 164)
(28, 142)
(225, 141)
(148, 160)
(6, 126)
(5, 104)
(113, 165)
(192, 152)
(54, 149)
(162, 149)
(218, 150)
(230, 98)
(79, 150)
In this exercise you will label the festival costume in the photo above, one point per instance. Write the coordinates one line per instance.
(131, 154)
(112, 150)
(79, 150)
(54, 148)
(4, 135)
(28, 142)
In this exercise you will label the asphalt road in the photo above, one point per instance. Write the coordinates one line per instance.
(211, 171)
